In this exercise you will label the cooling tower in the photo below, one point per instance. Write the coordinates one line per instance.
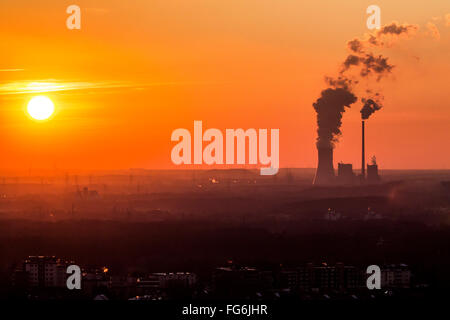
(325, 170)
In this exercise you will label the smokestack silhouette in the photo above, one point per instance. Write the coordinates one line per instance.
(363, 154)
(329, 107)
(370, 106)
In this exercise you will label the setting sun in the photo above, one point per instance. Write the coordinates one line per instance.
(40, 108)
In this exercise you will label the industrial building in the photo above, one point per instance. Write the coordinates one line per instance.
(345, 174)
(325, 175)
(372, 172)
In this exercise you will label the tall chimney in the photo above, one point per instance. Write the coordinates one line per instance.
(325, 170)
(363, 155)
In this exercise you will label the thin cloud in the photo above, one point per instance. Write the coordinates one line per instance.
(434, 31)
(11, 70)
(41, 86)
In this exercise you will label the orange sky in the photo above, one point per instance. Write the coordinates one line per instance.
(139, 69)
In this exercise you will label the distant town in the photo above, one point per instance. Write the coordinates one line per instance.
(44, 277)
(213, 234)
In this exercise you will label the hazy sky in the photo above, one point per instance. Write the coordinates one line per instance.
(139, 69)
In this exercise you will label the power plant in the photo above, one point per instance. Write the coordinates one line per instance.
(325, 175)
(325, 170)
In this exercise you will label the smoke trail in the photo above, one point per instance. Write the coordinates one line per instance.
(330, 107)
(369, 63)
(369, 107)
(397, 29)
(386, 36)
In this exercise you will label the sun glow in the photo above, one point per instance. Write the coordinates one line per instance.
(40, 108)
